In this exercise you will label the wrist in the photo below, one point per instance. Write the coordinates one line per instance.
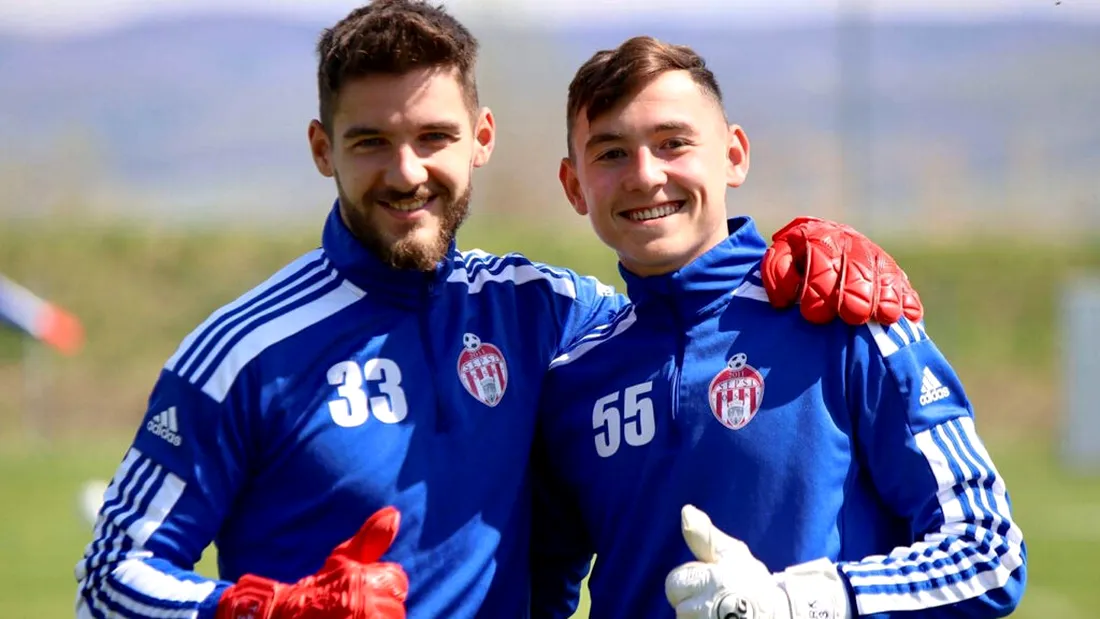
(208, 608)
(815, 590)
(252, 597)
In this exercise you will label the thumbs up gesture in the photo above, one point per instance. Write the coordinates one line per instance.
(354, 583)
(727, 582)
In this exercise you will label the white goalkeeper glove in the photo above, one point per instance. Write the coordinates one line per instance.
(728, 582)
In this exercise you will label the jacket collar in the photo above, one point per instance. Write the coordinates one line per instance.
(361, 267)
(698, 287)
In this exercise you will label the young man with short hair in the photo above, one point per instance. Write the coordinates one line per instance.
(842, 461)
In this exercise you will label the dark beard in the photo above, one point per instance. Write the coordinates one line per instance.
(406, 254)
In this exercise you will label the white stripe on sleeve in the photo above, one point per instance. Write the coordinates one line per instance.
(600, 335)
(115, 579)
(974, 551)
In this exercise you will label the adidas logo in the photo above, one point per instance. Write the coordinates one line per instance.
(164, 425)
(931, 389)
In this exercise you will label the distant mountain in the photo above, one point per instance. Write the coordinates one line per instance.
(206, 116)
(167, 108)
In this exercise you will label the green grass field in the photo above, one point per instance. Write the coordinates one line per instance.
(43, 535)
(992, 307)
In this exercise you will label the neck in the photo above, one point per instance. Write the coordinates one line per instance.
(705, 283)
(654, 270)
(363, 267)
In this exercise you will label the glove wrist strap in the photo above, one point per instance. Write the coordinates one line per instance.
(252, 597)
(815, 591)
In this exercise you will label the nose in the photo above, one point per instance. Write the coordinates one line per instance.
(407, 170)
(645, 173)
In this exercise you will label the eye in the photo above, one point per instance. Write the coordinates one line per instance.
(373, 142)
(608, 155)
(438, 138)
(676, 143)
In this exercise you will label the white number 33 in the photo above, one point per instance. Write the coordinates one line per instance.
(354, 408)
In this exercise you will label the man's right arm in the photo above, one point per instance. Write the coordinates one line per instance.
(163, 507)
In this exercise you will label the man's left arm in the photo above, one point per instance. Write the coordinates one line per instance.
(915, 431)
(829, 269)
(596, 306)
(833, 271)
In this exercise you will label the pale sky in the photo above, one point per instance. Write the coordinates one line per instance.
(60, 16)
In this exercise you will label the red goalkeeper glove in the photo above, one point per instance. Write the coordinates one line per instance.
(833, 270)
(352, 584)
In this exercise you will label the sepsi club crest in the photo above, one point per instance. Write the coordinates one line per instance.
(482, 370)
(736, 392)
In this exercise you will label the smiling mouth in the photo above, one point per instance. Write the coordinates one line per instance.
(650, 213)
(407, 206)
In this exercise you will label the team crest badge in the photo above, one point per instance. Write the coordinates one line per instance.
(482, 370)
(736, 392)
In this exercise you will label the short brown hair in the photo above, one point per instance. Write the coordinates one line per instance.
(393, 37)
(611, 75)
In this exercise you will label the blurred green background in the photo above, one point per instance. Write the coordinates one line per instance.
(992, 305)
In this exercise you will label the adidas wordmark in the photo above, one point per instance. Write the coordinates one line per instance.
(165, 426)
(931, 389)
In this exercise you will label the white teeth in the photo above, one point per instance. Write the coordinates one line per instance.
(408, 205)
(653, 213)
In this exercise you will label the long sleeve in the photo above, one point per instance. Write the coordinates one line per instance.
(575, 304)
(916, 433)
(596, 305)
(163, 507)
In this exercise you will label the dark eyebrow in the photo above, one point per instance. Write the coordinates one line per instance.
(674, 125)
(358, 132)
(602, 138)
(442, 127)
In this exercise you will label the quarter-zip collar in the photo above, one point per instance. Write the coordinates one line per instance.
(404, 288)
(706, 283)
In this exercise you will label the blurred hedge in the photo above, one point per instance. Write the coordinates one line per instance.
(992, 308)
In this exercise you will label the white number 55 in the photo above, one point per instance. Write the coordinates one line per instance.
(635, 424)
